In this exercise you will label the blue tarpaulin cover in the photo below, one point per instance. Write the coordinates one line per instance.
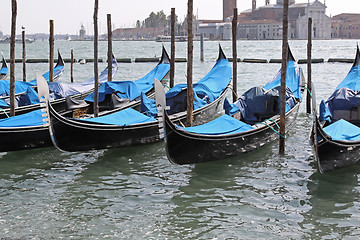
(33, 118)
(122, 118)
(131, 89)
(206, 90)
(230, 108)
(352, 80)
(293, 79)
(343, 130)
(257, 104)
(346, 94)
(61, 90)
(220, 126)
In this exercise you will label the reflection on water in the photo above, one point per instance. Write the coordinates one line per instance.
(136, 193)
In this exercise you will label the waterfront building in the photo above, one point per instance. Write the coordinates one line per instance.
(346, 25)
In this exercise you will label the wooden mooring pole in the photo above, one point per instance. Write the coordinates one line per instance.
(202, 47)
(72, 66)
(23, 53)
(234, 47)
(190, 93)
(12, 57)
(172, 59)
(109, 47)
(285, 47)
(96, 75)
(309, 47)
(51, 43)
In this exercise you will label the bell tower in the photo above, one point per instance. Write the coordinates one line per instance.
(228, 8)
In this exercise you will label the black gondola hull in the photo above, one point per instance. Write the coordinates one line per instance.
(70, 135)
(330, 154)
(14, 139)
(186, 148)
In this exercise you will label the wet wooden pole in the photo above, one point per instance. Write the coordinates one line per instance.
(202, 47)
(23, 54)
(109, 47)
(190, 93)
(285, 47)
(51, 43)
(234, 47)
(72, 66)
(12, 57)
(172, 59)
(96, 75)
(309, 47)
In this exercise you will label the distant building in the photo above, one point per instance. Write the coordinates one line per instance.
(82, 32)
(346, 25)
(228, 8)
(271, 15)
(138, 33)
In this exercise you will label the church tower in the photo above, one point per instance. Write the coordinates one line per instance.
(228, 8)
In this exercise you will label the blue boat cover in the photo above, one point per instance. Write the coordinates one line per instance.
(208, 89)
(4, 70)
(256, 104)
(33, 118)
(57, 72)
(148, 106)
(131, 89)
(220, 126)
(122, 118)
(230, 108)
(346, 94)
(293, 79)
(62, 90)
(343, 131)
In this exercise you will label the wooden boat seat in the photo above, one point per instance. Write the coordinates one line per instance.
(117, 102)
(353, 114)
(72, 104)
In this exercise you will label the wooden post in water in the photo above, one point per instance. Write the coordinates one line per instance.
(12, 57)
(234, 47)
(172, 59)
(285, 47)
(190, 93)
(51, 43)
(309, 46)
(202, 47)
(96, 75)
(109, 47)
(23, 54)
(72, 66)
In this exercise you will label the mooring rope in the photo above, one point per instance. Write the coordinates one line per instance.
(5, 112)
(277, 132)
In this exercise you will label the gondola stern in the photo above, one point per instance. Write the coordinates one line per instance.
(221, 54)
(60, 61)
(164, 56)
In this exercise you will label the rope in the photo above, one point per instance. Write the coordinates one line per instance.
(277, 132)
(166, 80)
(5, 112)
(308, 91)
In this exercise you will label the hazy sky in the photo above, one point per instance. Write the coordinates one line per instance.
(68, 15)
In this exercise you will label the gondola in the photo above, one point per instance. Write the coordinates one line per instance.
(26, 99)
(4, 69)
(249, 123)
(335, 135)
(27, 131)
(25, 93)
(130, 127)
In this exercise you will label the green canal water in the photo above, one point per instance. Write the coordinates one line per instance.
(136, 193)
